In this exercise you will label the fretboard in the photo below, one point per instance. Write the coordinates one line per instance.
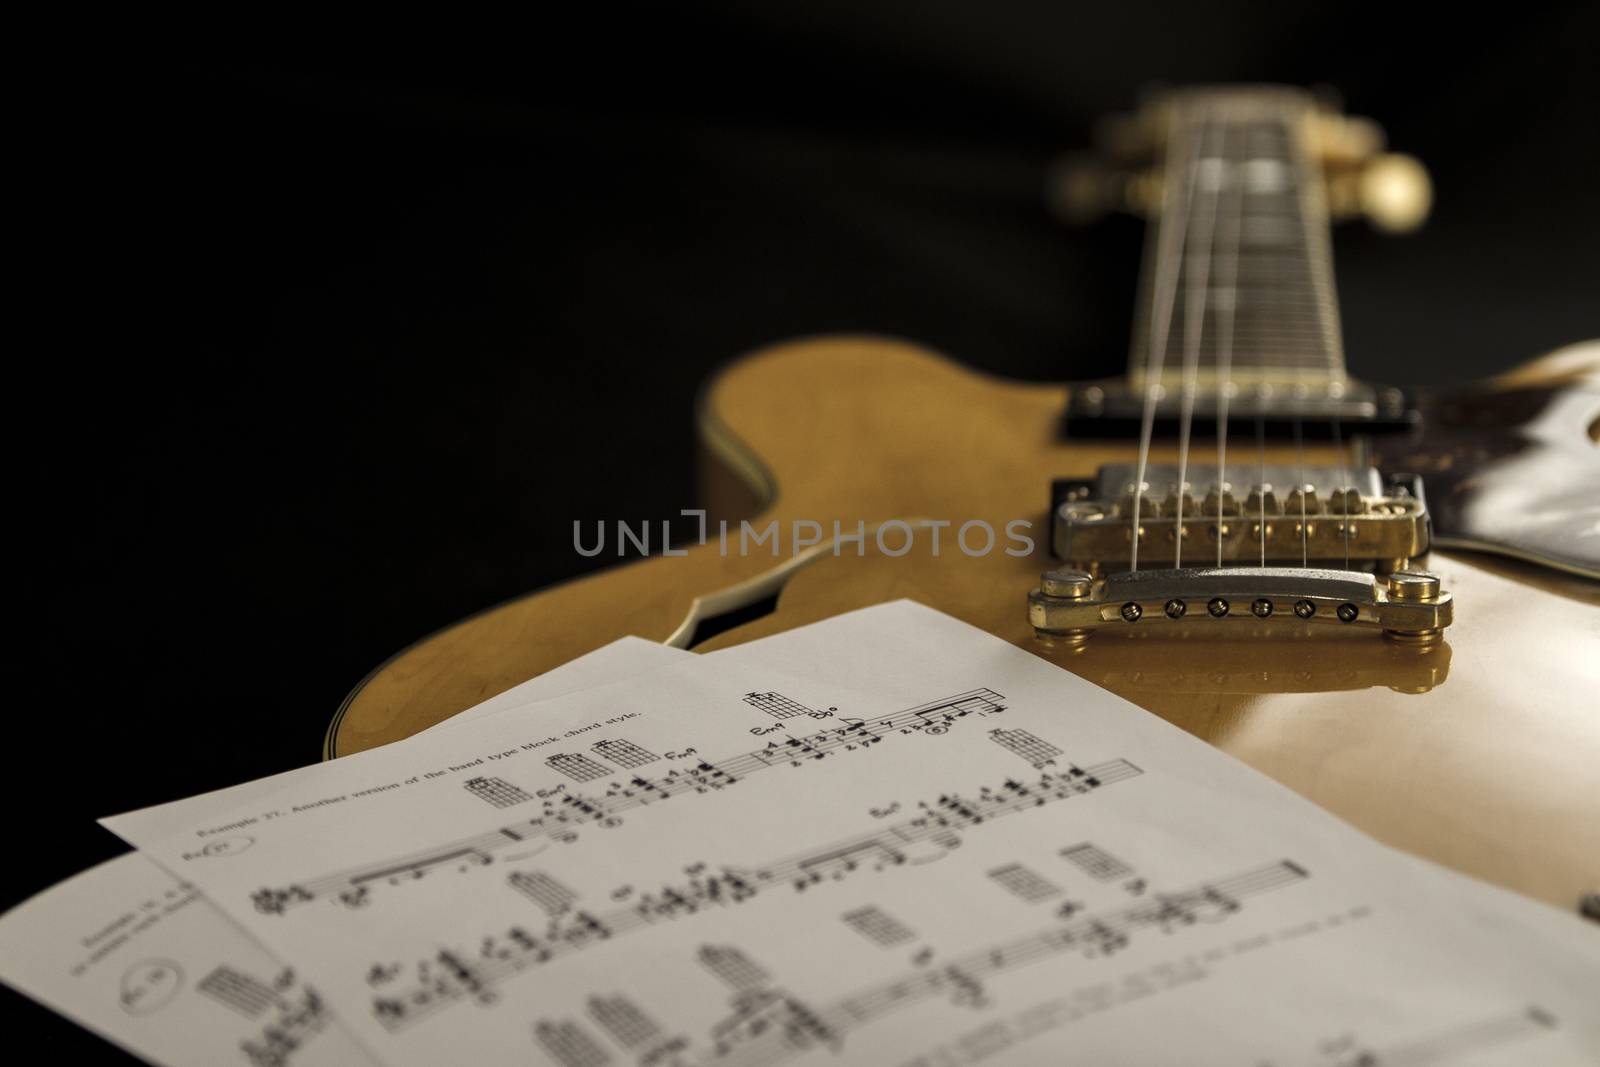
(1244, 210)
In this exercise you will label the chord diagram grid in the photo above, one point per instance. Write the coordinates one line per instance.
(1023, 883)
(1025, 744)
(623, 1021)
(246, 995)
(569, 1045)
(543, 890)
(877, 926)
(1096, 862)
(777, 705)
(780, 706)
(623, 753)
(496, 791)
(577, 767)
(732, 967)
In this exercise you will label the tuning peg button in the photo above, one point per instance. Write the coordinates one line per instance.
(1394, 192)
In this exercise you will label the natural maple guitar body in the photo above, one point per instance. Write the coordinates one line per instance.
(1482, 752)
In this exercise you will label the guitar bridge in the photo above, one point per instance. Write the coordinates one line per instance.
(1286, 516)
(1070, 605)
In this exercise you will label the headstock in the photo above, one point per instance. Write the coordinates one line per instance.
(1125, 172)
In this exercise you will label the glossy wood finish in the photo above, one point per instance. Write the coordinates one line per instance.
(1479, 753)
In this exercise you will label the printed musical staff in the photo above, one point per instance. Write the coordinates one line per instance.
(1097, 863)
(301, 1016)
(878, 926)
(543, 890)
(1025, 744)
(624, 753)
(569, 1044)
(1445, 1047)
(1024, 884)
(578, 767)
(1095, 937)
(623, 1021)
(935, 828)
(768, 1021)
(496, 791)
(732, 967)
(564, 815)
(245, 994)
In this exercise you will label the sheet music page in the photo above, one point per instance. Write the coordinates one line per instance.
(133, 954)
(144, 960)
(885, 838)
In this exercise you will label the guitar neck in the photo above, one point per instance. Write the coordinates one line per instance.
(1237, 283)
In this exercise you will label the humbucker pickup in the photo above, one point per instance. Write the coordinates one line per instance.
(1114, 408)
(1285, 515)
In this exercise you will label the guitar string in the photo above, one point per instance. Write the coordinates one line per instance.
(1300, 480)
(1228, 278)
(1344, 490)
(1174, 213)
(1196, 293)
(1261, 451)
(1301, 389)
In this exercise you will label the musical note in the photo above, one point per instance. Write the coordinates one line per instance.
(560, 817)
(962, 979)
(882, 848)
(299, 1019)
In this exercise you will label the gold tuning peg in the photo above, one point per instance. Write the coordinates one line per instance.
(1394, 193)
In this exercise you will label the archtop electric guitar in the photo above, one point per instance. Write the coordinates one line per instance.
(1236, 535)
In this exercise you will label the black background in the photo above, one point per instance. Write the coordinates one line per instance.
(331, 350)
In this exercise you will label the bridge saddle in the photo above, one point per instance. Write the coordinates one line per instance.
(1286, 515)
